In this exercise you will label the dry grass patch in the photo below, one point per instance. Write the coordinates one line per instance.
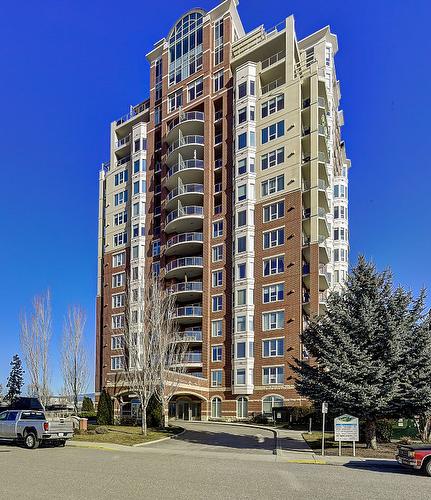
(125, 435)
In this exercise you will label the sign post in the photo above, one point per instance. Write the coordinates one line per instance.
(324, 412)
(346, 428)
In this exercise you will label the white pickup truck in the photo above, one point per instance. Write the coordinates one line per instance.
(31, 428)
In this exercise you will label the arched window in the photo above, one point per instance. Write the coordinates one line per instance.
(242, 407)
(216, 407)
(271, 402)
(185, 47)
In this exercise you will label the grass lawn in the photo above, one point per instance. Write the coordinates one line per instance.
(314, 440)
(125, 435)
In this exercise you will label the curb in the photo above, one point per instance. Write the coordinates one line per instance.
(159, 440)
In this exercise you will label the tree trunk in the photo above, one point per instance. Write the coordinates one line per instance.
(144, 420)
(370, 433)
(165, 416)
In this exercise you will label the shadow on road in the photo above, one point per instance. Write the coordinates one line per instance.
(380, 466)
(234, 441)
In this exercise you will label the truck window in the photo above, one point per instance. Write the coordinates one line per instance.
(11, 416)
(32, 415)
(3, 415)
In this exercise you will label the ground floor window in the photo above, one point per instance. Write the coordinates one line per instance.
(216, 408)
(271, 402)
(242, 407)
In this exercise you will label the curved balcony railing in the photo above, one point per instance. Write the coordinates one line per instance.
(184, 212)
(185, 117)
(188, 286)
(188, 311)
(185, 262)
(185, 165)
(186, 140)
(192, 336)
(189, 357)
(185, 238)
(185, 189)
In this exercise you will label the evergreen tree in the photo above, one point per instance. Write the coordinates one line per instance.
(15, 381)
(105, 409)
(358, 348)
(87, 405)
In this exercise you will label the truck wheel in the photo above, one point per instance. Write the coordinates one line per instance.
(30, 441)
(427, 468)
(62, 442)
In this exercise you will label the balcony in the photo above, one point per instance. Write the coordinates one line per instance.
(189, 123)
(187, 146)
(186, 193)
(134, 111)
(272, 85)
(189, 171)
(184, 244)
(188, 314)
(122, 142)
(185, 266)
(322, 193)
(323, 249)
(190, 359)
(322, 224)
(218, 163)
(123, 161)
(274, 59)
(187, 291)
(323, 276)
(192, 336)
(187, 218)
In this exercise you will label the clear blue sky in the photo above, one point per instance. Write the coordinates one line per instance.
(68, 68)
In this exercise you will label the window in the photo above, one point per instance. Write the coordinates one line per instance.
(241, 297)
(195, 89)
(118, 259)
(273, 320)
(242, 406)
(242, 115)
(120, 218)
(242, 141)
(218, 42)
(135, 273)
(120, 197)
(242, 166)
(241, 268)
(135, 209)
(241, 218)
(217, 253)
(242, 192)
(270, 402)
(240, 350)
(117, 342)
(272, 106)
(216, 353)
(217, 278)
(156, 248)
(273, 347)
(120, 177)
(120, 239)
(118, 280)
(242, 90)
(274, 131)
(136, 187)
(157, 115)
(273, 211)
(273, 375)
(137, 146)
(241, 244)
(217, 229)
(217, 328)
(117, 362)
(216, 378)
(156, 268)
(340, 212)
(175, 100)
(136, 166)
(118, 300)
(272, 158)
(240, 376)
(241, 324)
(273, 265)
(252, 113)
(117, 321)
(273, 293)
(273, 238)
(252, 87)
(216, 408)
(252, 139)
(273, 185)
(217, 303)
(218, 80)
(135, 252)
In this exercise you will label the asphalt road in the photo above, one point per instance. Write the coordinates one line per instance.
(195, 468)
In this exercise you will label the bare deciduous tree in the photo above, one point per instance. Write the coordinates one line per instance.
(73, 356)
(35, 337)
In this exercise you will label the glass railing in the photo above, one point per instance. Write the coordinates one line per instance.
(272, 85)
(273, 59)
(185, 238)
(218, 139)
(192, 336)
(185, 262)
(123, 160)
(185, 117)
(184, 189)
(122, 142)
(184, 141)
(185, 165)
(218, 187)
(184, 212)
(190, 357)
(188, 286)
(218, 163)
(188, 311)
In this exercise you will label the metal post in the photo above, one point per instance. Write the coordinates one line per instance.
(309, 425)
(354, 448)
(339, 448)
(323, 434)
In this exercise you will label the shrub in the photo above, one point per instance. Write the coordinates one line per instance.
(154, 413)
(260, 418)
(87, 405)
(384, 430)
(101, 429)
(87, 414)
(105, 409)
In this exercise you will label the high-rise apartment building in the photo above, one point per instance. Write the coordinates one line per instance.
(230, 181)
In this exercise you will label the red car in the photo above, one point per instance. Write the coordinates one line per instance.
(416, 456)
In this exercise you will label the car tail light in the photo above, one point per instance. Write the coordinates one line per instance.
(45, 426)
